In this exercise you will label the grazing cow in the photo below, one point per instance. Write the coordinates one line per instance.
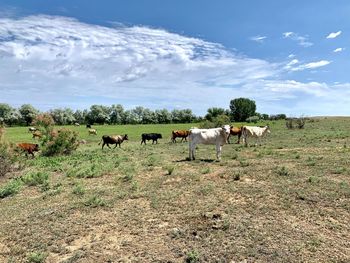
(150, 136)
(115, 139)
(88, 126)
(76, 124)
(28, 148)
(235, 131)
(183, 134)
(31, 129)
(254, 131)
(37, 134)
(217, 136)
(92, 131)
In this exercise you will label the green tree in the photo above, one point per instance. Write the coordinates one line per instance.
(8, 114)
(63, 116)
(214, 112)
(98, 114)
(242, 108)
(116, 115)
(28, 113)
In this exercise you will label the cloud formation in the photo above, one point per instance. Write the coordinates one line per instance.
(56, 62)
(302, 40)
(333, 35)
(259, 39)
(339, 49)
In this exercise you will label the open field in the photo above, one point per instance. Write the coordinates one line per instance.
(285, 201)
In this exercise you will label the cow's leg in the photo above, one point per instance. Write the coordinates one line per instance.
(108, 146)
(192, 147)
(228, 139)
(103, 144)
(115, 145)
(218, 151)
(239, 138)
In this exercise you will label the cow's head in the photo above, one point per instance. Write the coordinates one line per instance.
(225, 130)
(267, 130)
(159, 136)
(126, 137)
(36, 147)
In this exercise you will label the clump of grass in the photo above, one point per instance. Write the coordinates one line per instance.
(297, 156)
(95, 201)
(339, 170)
(243, 163)
(170, 169)
(11, 188)
(36, 178)
(236, 176)
(313, 179)
(36, 257)
(282, 171)
(127, 177)
(206, 189)
(192, 256)
(205, 170)
(79, 189)
(135, 186)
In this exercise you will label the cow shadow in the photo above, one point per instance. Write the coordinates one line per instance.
(197, 160)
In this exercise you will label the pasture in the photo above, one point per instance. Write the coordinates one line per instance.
(285, 201)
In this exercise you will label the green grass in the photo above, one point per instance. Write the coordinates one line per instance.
(285, 201)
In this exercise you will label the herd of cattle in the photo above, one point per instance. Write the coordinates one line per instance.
(215, 136)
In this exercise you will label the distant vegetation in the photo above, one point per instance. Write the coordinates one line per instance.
(240, 109)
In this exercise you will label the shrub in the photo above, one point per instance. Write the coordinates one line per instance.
(11, 188)
(95, 201)
(216, 122)
(37, 257)
(192, 256)
(6, 159)
(36, 178)
(253, 119)
(65, 142)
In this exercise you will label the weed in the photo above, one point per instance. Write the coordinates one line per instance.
(243, 163)
(192, 256)
(35, 178)
(236, 176)
(313, 179)
(205, 170)
(339, 170)
(95, 201)
(79, 189)
(11, 188)
(170, 169)
(282, 171)
(36, 257)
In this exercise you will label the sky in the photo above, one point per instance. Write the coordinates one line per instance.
(290, 57)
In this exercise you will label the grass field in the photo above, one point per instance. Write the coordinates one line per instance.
(285, 201)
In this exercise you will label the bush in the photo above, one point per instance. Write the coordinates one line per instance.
(36, 178)
(217, 122)
(292, 123)
(253, 119)
(6, 159)
(65, 142)
(11, 188)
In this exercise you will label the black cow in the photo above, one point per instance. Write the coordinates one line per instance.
(150, 136)
(88, 126)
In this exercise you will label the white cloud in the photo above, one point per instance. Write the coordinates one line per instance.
(311, 65)
(57, 62)
(302, 40)
(130, 65)
(259, 39)
(334, 34)
(340, 49)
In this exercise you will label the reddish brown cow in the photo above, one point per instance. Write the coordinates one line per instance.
(235, 131)
(181, 134)
(28, 148)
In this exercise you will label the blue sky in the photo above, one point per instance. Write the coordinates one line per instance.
(289, 56)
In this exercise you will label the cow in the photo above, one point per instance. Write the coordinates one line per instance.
(183, 134)
(255, 132)
(92, 132)
(115, 139)
(88, 126)
(150, 136)
(76, 124)
(217, 136)
(32, 129)
(28, 148)
(37, 134)
(235, 131)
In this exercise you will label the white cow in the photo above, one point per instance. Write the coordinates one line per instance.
(217, 136)
(255, 132)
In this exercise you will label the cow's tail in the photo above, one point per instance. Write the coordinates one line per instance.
(100, 141)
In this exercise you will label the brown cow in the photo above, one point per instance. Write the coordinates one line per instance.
(181, 134)
(115, 139)
(28, 148)
(235, 131)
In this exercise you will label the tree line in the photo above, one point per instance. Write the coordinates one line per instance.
(240, 109)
